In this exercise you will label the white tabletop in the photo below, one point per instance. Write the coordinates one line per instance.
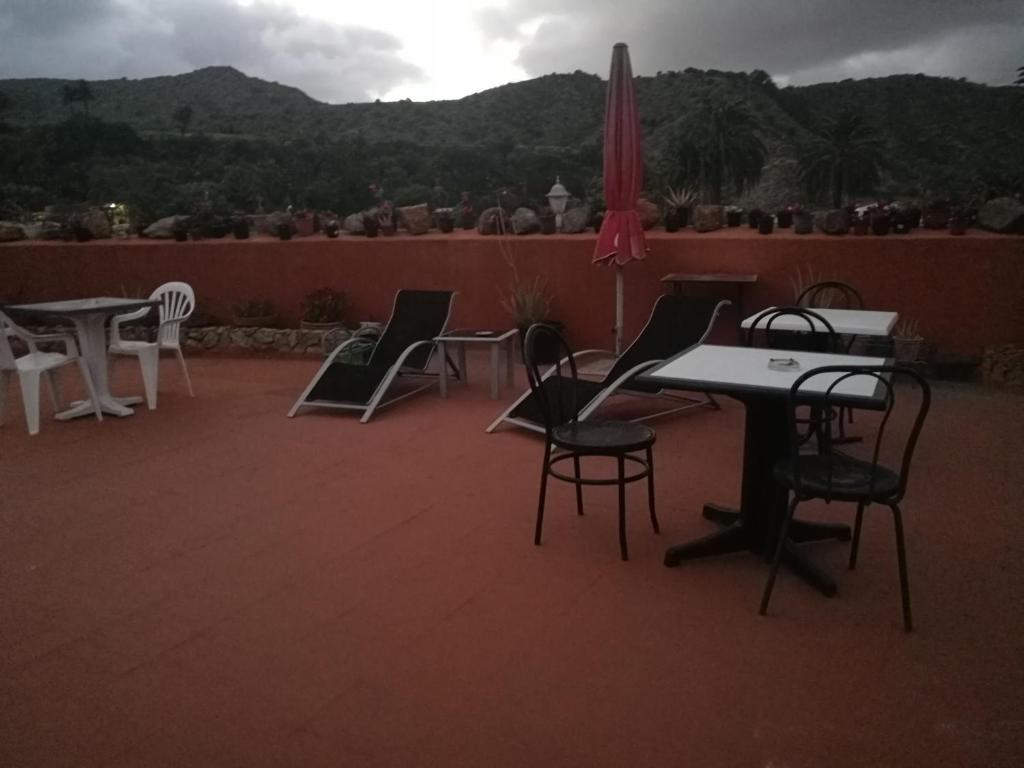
(738, 370)
(861, 322)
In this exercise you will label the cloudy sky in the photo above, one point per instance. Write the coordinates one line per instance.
(358, 50)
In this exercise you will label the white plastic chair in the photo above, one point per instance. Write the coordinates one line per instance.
(177, 301)
(31, 365)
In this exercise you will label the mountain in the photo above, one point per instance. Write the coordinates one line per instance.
(942, 137)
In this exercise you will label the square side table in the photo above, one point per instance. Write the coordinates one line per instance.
(497, 340)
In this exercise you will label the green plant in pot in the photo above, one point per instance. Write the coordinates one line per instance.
(445, 219)
(527, 302)
(907, 341)
(253, 313)
(677, 214)
(547, 220)
(322, 310)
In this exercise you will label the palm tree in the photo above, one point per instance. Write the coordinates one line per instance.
(718, 145)
(844, 157)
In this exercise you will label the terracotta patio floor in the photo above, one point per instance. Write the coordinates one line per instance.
(212, 584)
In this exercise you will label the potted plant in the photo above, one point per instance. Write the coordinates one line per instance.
(180, 229)
(733, 215)
(765, 224)
(784, 218)
(386, 218)
(253, 312)
(754, 218)
(371, 225)
(906, 342)
(322, 310)
(240, 227)
(445, 219)
(528, 302)
(677, 215)
(285, 230)
(467, 219)
(332, 228)
(880, 221)
(547, 220)
(860, 224)
(803, 221)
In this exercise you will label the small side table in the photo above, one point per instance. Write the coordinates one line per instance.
(496, 339)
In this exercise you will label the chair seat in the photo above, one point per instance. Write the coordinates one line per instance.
(838, 476)
(41, 361)
(603, 437)
(130, 347)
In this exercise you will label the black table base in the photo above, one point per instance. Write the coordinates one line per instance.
(755, 526)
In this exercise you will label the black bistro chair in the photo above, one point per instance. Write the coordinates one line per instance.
(831, 293)
(566, 437)
(833, 476)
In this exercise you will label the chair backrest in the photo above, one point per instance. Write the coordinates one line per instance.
(416, 316)
(820, 336)
(555, 394)
(7, 359)
(903, 433)
(177, 302)
(676, 324)
(831, 293)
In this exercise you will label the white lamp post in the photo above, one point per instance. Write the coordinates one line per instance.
(558, 196)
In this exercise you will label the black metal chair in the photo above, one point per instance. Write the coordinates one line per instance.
(834, 476)
(830, 293)
(569, 438)
(676, 323)
(404, 350)
(820, 336)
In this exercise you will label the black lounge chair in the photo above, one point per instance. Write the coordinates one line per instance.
(676, 324)
(404, 350)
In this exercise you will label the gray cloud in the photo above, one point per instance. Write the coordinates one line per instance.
(99, 39)
(795, 40)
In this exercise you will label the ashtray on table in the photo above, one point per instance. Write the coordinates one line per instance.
(783, 364)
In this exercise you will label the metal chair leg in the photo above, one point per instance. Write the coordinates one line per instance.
(579, 485)
(901, 553)
(650, 490)
(622, 508)
(855, 544)
(543, 493)
(778, 556)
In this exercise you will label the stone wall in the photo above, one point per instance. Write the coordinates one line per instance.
(1003, 364)
(233, 340)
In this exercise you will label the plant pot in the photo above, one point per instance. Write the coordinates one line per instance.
(446, 225)
(880, 225)
(82, 234)
(803, 223)
(733, 218)
(860, 226)
(181, 235)
(306, 325)
(784, 219)
(766, 225)
(672, 223)
(546, 351)
(332, 230)
(263, 321)
(388, 231)
(547, 225)
(240, 229)
(284, 231)
(754, 218)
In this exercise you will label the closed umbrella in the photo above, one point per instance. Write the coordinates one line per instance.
(622, 237)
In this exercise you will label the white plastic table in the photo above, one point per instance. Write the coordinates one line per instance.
(744, 374)
(855, 322)
(497, 340)
(90, 317)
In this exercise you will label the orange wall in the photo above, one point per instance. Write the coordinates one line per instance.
(966, 292)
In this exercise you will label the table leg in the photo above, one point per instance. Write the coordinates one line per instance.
(442, 379)
(462, 362)
(92, 338)
(495, 370)
(510, 352)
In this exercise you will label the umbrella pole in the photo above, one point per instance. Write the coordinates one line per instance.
(618, 309)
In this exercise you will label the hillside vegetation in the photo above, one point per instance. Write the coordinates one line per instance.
(165, 144)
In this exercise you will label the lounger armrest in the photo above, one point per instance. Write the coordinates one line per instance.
(400, 362)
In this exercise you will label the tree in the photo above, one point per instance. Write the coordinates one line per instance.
(1020, 76)
(77, 92)
(718, 145)
(182, 116)
(844, 157)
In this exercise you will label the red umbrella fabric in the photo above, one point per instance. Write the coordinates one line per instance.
(622, 236)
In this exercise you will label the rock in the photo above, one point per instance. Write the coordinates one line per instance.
(834, 222)
(275, 220)
(525, 222)
(10, 231)
(649, 212)
(96, 223)
(415, 218)
(575, 220)
(490, 222)
(708, 218)
(1003, 214)
(162, 229)
(354, 224)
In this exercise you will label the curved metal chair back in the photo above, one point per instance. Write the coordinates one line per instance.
(820, 336)
(831, 293)
(177, 302)
(555, 389)
(885, 377)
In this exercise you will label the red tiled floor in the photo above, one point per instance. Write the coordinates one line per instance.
(214, 584)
